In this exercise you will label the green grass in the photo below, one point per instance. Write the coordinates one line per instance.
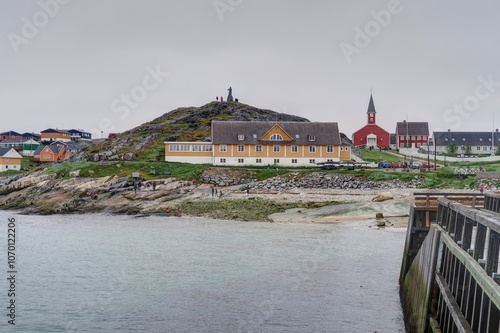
(182, 171)
(261, 174)
(379, 156)
(10, 173)
(251, 209)
(27, 164)
(382, 175)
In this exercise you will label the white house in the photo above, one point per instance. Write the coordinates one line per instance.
(467, 143)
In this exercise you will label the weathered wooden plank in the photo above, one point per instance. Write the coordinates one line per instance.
(480, 242)
(492, 257)
(486, 283)
(434, 325)
(487, 219)
(467, 234)
(458, 318)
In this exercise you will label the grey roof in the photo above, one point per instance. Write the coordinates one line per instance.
(466, 138)
(51, 130)
(34, 135)
(73, 146)
(226, 132)
(70, 145)
(19, 142)
(414, 128)
(55, 149)
(4, 151)
(371, 106)
(74, 131)
(10, 133)
(392, 139)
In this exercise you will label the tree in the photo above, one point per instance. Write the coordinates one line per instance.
(452, 149)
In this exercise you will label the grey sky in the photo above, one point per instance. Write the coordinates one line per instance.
(284, 55)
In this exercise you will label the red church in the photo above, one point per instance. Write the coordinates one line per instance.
(371, 135)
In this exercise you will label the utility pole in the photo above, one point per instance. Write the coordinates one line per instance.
(428, 159)
(435, 157)
(493, 136)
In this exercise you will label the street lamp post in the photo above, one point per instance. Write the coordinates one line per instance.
(428, 157)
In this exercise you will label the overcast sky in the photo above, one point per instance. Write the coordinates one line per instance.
(112, 65)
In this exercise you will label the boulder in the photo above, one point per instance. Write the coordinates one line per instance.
(383, 196)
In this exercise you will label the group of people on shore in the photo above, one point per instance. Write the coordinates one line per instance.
(216, 192)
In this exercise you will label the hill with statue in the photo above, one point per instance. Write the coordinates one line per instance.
(186, 124)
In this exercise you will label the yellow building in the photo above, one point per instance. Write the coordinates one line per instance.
(51, 135)
(238, 143)
(10, 159)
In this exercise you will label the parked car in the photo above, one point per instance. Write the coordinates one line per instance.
(427, 165)
(384, 164)
(416, 165)
(404, 165)
(395, 165)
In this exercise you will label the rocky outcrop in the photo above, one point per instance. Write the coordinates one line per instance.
(19, 183)
(227, 177)
(46, 194)
(39, 193)
(383, 196)
(328, 181)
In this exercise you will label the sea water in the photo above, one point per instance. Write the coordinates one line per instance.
(102, 273)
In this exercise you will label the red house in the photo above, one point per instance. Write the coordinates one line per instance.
(11, 136)
(412, 134)
(371, 135)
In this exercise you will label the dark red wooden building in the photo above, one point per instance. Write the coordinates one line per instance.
(371, 135)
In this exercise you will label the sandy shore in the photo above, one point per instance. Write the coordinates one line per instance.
(351, 197)
(359, 210)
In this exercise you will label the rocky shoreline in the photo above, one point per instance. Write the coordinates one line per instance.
(40, 193)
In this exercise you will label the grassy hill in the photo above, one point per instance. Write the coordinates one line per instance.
(145, 142)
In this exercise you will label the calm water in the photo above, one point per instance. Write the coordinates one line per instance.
(99, 273)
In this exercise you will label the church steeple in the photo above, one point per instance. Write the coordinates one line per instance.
(371, 111)
(371, 106)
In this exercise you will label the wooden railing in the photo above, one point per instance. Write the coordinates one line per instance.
(451, 284)
(428, 202)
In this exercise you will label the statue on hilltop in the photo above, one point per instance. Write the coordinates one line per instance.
(230, 96)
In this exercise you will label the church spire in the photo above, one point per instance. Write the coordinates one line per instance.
(371, 106)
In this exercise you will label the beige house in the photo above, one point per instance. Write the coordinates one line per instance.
(264, 143)
(10, 159)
